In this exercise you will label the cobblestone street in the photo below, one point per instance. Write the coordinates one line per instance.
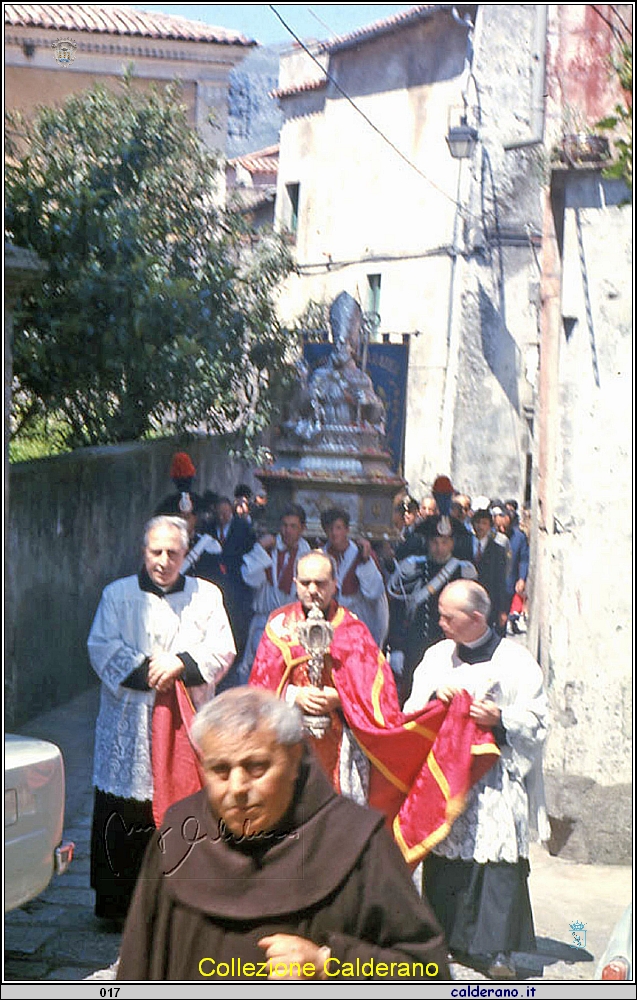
(56, 937)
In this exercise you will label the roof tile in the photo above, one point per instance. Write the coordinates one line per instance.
(301, 88)
(366, 34)
(265, 161)
(115, 20)
(388, 24)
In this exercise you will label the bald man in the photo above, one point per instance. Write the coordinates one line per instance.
(280, 665)
(477, 877)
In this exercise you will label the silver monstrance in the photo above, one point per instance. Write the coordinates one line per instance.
(315, 635)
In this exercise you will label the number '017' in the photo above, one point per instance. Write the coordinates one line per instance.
(110, 991)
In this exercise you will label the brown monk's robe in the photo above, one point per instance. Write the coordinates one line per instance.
(329, 873)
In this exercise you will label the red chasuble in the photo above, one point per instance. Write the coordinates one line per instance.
(423, 764)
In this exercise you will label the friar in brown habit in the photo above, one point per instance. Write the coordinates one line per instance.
(267, 873)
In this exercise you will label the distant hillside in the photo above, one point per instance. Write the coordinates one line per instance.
(254, 118)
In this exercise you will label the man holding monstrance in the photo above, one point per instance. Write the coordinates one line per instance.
(305, 647)
(321, 658)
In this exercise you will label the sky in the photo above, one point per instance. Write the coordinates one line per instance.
(257, 20)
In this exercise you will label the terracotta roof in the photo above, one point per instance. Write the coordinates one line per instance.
(116, 20)
(391, 23)
(303, 88)
(263, 161)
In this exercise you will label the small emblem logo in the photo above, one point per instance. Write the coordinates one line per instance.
(578, 930)
(64, 49)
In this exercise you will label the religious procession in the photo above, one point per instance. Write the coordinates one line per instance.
(318, 659)
(327, 693)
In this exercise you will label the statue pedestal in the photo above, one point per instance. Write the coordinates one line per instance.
(334, 475)
(329, 449)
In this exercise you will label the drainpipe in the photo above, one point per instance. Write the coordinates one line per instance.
(538, 83)
(465, 22)
(452, 335)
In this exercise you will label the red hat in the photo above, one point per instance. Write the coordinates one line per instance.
(442, 485)
(182, 467)
(443, 492)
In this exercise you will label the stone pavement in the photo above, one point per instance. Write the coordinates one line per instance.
(57, 937)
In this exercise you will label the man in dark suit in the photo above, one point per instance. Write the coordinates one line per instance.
(490, 559)
(518, 562)
(236, 537)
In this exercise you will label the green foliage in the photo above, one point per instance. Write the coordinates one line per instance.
(43, 436)
(156, 312)
(620, 124)
(313, 323)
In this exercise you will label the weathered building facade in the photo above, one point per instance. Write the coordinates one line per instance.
(104, 41)
(582, 595)
(510, 271)
(251, 185)
(381, 224)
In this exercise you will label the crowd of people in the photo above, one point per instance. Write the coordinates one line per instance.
(416, 646)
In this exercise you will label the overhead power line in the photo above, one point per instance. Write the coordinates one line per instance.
(371, 124)
(466, 215)
(322, 23)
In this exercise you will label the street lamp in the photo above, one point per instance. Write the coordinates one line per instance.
(461, 139)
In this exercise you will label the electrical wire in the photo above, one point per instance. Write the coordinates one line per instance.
(616, 31)
(322, 23)
(337, 265)
(464, 214)
(371, 124)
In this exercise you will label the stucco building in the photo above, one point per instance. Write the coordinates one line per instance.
(251, 184)
(510, 271)
(102, 41)
(581, 565)
(433, 244)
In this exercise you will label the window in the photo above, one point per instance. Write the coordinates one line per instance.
(373, 302)
(293, 192)
(373, 293)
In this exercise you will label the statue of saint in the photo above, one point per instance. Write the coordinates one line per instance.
(343, 394)
(301, 414)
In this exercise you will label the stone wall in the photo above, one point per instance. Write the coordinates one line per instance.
(75, 523)
(489, 391)
(582, 564)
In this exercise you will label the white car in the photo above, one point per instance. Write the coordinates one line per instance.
(617, 961)
(33, 818)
